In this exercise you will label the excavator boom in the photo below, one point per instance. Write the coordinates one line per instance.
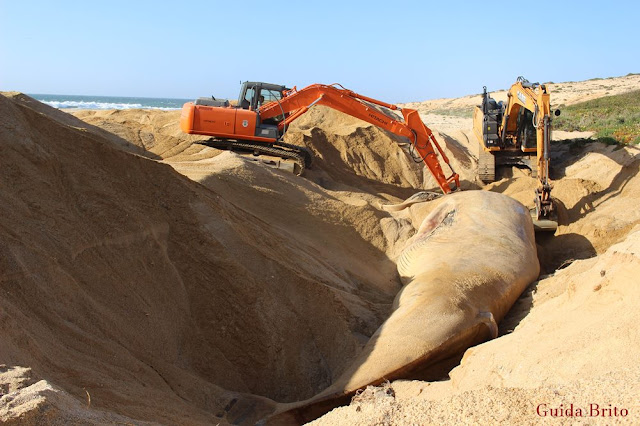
(533, 97)
(362, 107)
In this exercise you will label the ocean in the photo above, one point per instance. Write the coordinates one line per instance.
(109, 102)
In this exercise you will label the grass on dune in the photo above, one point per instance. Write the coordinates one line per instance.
(615, 119)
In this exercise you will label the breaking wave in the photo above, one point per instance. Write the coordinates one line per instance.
(103, 105)
(110, 102)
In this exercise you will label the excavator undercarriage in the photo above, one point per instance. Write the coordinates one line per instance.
(301, 157)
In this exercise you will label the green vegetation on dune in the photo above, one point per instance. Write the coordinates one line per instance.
(613, 118)
(454, 112)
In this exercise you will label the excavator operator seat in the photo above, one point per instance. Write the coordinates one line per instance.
(492, 105)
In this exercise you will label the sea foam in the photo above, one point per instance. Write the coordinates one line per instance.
(109, 102)
(101, 105)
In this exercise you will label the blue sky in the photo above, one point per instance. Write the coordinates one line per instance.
(393, 51)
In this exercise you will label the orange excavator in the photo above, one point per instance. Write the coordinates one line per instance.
(264, 111)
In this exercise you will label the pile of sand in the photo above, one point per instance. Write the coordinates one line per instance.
(156, 134)
(349, 154)
(165, 300)
(148, 278)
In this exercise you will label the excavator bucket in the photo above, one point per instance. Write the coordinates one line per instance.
(544, 214)
(547, 223)
(544, 225)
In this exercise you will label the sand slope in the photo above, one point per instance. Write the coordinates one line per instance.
(159, 296)
(175, 283)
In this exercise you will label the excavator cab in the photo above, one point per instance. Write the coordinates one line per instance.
(255, 94)
(526, 138)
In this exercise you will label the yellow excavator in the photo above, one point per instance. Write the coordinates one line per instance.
(518, 133)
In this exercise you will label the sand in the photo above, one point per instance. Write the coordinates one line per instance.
(170, 282)
(125, 278)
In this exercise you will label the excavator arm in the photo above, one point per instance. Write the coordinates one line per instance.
(296, 102)
(535, 98)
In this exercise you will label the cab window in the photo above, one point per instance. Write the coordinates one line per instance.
(245, 103)
(267, 96)
(270, 95)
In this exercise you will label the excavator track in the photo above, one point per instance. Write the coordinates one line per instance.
(300, 155)
(486, 166)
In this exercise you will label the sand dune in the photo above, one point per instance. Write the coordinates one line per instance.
(170, 282)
